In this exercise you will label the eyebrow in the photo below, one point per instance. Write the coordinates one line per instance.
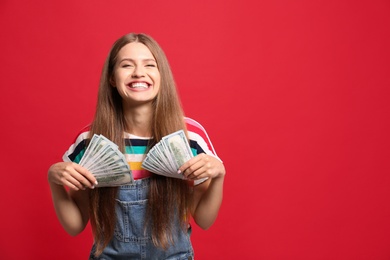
(144, 60)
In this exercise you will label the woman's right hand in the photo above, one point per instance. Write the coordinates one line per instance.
(71, 175)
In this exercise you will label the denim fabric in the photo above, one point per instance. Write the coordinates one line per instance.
(130, 240)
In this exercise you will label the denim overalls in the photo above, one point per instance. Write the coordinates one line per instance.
(129, 241)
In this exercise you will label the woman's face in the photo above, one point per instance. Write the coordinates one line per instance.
(136, 75)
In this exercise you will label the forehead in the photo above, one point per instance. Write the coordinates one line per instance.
(135, 51)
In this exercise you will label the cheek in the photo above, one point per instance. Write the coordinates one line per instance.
(119, 76)
(157, 78)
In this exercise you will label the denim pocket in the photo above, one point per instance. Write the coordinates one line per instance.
(130, 220)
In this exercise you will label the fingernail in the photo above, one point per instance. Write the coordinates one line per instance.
(178, 171)
(93, 187)
(96, 183)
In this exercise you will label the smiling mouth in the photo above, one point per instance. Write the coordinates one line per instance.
(139, 85)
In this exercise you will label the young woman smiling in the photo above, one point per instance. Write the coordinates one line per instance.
(148, 219)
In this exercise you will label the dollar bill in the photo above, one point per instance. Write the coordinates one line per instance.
(168, 155)
(113, 180)
(106, 162)
(178, 147)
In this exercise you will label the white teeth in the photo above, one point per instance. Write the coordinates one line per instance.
(139, 85)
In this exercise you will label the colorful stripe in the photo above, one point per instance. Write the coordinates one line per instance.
(196, 128)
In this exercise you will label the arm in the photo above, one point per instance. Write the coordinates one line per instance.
(207, 196)
(71, 206)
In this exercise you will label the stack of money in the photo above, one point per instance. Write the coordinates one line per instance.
(104, 160)
(168, 155)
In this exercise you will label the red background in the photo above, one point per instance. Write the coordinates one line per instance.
(294, 94)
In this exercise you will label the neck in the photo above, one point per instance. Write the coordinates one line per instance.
(138, 120)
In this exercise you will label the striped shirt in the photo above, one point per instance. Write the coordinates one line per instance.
(136, 147)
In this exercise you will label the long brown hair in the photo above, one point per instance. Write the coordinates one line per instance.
(167, 196)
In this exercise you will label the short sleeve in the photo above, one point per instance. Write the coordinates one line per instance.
(77, 149)
(199, 141)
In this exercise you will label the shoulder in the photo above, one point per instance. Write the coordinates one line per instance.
(78, 146)
(193, 124)
(195, 127)
(197, 133)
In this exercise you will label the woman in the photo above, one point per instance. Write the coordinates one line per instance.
(148, 219)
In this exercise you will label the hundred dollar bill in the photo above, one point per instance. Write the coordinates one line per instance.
(108, 160)
(179, 148)
(99, 147)
(168, 155)
(104, 160)
(98, 159)
(163, 155)
(87, 152)
(113, 180)
(152, 166)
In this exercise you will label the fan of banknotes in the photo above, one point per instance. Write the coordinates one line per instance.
(168, 155)
(104, 160)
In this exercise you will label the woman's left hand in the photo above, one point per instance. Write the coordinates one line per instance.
(202, 166)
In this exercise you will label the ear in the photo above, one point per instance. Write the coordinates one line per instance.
(112, 81)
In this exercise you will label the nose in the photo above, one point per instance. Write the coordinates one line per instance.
(137, 72)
